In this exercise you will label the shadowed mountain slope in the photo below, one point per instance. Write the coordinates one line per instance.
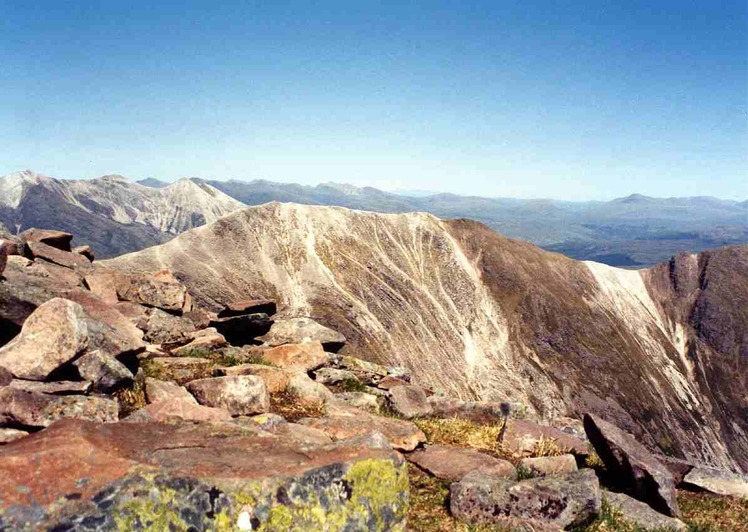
(480, 315)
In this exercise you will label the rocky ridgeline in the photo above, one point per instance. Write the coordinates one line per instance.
(124, 405)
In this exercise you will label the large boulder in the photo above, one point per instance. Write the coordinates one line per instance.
(54, 334)
(409, 401)
(242, 330)
(297, 357)
(717, 481)
(22, 409)
(632, 467)
(454, 463)
(299, 330)
(161, 290)
(163, 328)
(350, 422)
(560, 502)
(642, 515)
(57, 239)
(105, 372)
(154, 476)
(240, 396)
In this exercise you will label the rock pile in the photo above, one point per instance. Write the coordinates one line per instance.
(151, 411)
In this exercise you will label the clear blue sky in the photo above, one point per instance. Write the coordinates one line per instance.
(575, 100)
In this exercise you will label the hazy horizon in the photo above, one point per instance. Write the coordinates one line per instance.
(574, 101)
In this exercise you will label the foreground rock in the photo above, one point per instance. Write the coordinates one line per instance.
(350, 422)
(554, 502)
(198, 477)
(54, 334)
(67, 259)
(642, 515)
(156, 390)
(634, 469)
(299, 330)
(240, 396)
(22, 409)
(717, 481)
(454, 463)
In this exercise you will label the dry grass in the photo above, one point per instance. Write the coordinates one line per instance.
(463, 433)
(130, 399)
(288, 406)
(711, 513)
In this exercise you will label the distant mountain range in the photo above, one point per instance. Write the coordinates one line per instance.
(118, 216)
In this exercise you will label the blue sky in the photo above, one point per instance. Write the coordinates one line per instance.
(570, 100)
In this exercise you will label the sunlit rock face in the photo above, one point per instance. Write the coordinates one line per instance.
(110, 213)
(478, 315)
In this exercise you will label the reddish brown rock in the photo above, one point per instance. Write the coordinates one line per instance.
(208, 473)
(57, 239)
(156, 390)
(409, 401)
(101, 283)
(549, 465)
(240, 396)
(297, 357)
(68, 259)
(204, 339)
(177, 408)
(453, 463)
(54, 334)
(635, 470)
(275, 379)
(5, 376)
(351, 422)
(249, 306)
(19, 408)
(389, 382)
(86, 251)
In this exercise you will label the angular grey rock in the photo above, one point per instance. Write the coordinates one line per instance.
(640, 514)
(208, 339)
(544, 466)
(562, 501)
(409, 401)
(240, 396)
(55, 333)
(299, 330)
(454, 463)
(362, 400)
(22, 409)
(161, 290)
(54, 388)
(164, 328)
(717, 481)
(156, 390)
(105, 372)
(636, 470)
(333, 376)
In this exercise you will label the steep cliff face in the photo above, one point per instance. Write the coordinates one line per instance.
(480, 315)
(110, 213)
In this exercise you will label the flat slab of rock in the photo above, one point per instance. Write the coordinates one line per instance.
(9, 435)
(156, 390)
(54, 388)
(249, 306)
(636, 470)
(717, 481)
(641, 514)
(67, 259)
(409, 401)
(333, 376)
(299, 330)
(522, 435)
(55, 333)
(549, 465)
(351, 422)
(454, 463)
(276, 380)
(242, 330)
(561, 502)
(102, 285)
(297, 357)
(57, 239)
(240, 396)
(197, 476)
(22, 409)
(177, 408)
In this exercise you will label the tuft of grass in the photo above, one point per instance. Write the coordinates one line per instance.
(351, 385)
(131, 399)
(705, 512)
(289, 407)
(226, 356)
(593, 460)
(547, 447)
(610, 519)
(463, 433)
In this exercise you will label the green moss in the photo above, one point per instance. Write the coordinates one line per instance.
(148, 514)
(378, 483)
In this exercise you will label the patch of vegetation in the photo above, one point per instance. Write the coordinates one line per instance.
(350, 385)
(226, 356)
(704, 512)
(291, 408)
(593, 460)
(131, 399)
(610, 519)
